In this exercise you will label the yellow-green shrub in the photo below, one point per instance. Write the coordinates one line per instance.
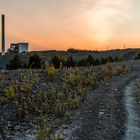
(10, 91)
(73, 103)
(72, 79)
(82, 92)
(59, 108)
(43, 130)
(51, 71)
(67, 117)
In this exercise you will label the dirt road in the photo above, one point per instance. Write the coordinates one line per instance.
(105, 115)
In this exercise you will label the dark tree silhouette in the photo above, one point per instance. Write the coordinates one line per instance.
(15, 63)
(110, 59)
(35, 62)
(70, 62)
(56, 61)
(138, 56)
(90, 60)
(103, 60)
(82, 63)
(119, 58)
(96, 62)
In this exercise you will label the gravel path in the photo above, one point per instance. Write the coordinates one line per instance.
(103, 116)
(133, 111)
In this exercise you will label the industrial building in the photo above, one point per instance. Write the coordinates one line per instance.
(14, 48)
(18, 48)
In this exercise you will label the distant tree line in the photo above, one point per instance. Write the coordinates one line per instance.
(89, 61)
(73, 50)
(138, 56)
(35, 62)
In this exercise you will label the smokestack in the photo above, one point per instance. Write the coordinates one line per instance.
(3, 34)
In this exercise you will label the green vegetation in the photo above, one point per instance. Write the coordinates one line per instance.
(16, 63)
(34, 62)
(89, 61)
(138, 56)
(10, 91)
(43, 130)
(57, 137)
(56, 61)
(67, 117)
(137, 93)
(51, 71)
(110, 71)
(73, 50)
(53, 106)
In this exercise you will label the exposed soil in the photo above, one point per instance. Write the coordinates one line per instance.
(102, 116)
(132, 103)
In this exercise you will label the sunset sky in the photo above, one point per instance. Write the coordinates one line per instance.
(82, 24)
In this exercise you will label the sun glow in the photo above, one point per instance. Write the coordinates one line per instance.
(101, 25)
(105, 17)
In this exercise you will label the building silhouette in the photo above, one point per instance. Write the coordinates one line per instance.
(18, 48)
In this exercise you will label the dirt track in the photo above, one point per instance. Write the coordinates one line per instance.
(104, 116)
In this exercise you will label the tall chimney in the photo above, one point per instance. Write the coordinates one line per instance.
(3, 34)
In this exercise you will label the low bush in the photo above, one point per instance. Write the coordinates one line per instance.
(89, 61)
(73, 103)
(51, 71)
(34, 61)
(10, 91)
(56, 62)
(138, 56)
(43, 130)
(15, 63)
(67, 117)
(110, 71)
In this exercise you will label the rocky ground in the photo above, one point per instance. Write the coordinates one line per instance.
(102, 116)
(105, 115)
(20, 114)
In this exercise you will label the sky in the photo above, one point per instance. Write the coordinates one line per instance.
(81, 24)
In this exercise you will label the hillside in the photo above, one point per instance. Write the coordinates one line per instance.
(71, 103)
(127, 54)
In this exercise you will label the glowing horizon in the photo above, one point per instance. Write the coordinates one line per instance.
(81, 24)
